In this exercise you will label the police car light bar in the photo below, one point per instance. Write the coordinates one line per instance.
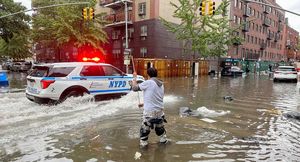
(95, 59)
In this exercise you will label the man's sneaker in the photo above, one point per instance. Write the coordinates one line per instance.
(163, 139)
(143, 143)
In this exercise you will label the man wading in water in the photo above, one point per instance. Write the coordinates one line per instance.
(153, 114)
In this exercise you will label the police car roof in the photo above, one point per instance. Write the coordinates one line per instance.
(71, 64)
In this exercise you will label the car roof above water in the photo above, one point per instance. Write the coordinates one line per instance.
(286, 67)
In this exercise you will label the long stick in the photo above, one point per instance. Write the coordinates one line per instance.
(135, 72)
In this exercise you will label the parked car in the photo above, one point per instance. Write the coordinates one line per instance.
(21, 66)
(7, 65)
(25, 66)
(232, 71)
(53, 83)
(285, 73)
(16, 66)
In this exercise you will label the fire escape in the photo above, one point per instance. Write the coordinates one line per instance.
(120, 18)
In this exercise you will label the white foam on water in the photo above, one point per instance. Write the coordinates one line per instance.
(188, 142)
(211, 155)
(25, 125)
(205, 112)
(92, 160)
(208, 120)
(108, 147)
(171, 98)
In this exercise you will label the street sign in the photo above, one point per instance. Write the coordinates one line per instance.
(126, 57)
(127, 51)
(126, 62)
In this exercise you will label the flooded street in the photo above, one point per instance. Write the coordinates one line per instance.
(251, 127)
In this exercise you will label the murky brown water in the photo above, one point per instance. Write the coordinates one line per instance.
(249, 128)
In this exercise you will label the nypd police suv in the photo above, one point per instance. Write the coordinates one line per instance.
(54, 82)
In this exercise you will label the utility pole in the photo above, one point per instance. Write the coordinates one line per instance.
(50, 6)
(126, 35)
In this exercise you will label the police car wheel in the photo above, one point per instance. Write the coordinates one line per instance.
(72, 93)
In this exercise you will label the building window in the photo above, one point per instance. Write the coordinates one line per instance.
(237, 50)
(142, 9)
(144, 31)
(115, 34)
(143, 52)
(130, 32)
(116, 53)
(117, 44)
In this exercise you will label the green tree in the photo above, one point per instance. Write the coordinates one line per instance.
(205, 35)
(55, 27)
(14, 31)
(17, 48)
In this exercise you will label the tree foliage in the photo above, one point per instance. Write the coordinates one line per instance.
(14, 31)
(205, 35)
(58, 26)
(17, 48)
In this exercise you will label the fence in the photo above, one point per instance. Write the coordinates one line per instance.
(169, 68)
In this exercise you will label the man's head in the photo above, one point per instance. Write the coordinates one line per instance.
(152, 72)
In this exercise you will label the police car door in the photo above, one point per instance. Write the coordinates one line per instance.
(92, 77)
(118, 81)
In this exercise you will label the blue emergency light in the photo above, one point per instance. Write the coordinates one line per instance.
(3, 78)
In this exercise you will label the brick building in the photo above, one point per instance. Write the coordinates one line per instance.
(147, 36)
(262, 29)
(292, 40)
(267, 36)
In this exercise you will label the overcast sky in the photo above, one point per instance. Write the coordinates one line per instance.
(292, 5)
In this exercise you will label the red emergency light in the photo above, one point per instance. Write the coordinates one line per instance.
(89, 54)
(94, 59)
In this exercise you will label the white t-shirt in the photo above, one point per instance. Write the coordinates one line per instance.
(153, 96)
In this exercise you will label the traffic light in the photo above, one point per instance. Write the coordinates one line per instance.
(202, 8)
(91, 13)
(84, 13)
(211, 7)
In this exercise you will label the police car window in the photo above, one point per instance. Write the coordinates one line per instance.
(60, 71)
(111, 71)
(92, 71)
(39, 71)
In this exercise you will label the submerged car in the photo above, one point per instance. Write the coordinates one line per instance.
(53, 83)
(232, 71)
(285, 73)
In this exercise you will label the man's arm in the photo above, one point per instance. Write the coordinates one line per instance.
(135, 86)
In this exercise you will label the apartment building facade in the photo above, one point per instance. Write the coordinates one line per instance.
(147, 36)
(292, 41)
(262, 28)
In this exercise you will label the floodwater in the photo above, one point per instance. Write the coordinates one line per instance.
(251, 127)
